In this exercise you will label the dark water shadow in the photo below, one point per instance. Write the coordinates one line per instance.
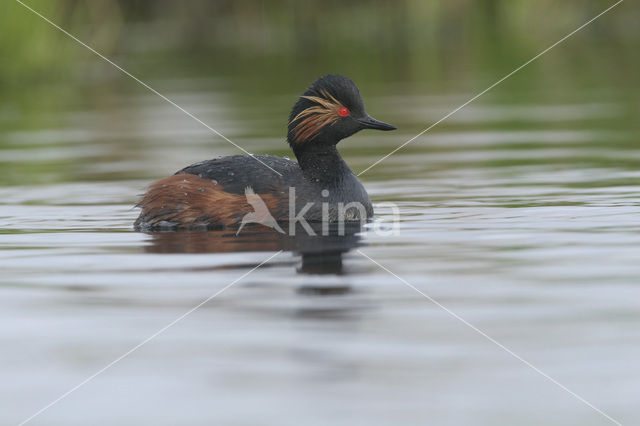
(320, 254)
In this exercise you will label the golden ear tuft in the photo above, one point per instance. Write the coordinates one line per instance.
(313, 119)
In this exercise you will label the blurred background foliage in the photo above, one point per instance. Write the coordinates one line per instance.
(259, 50)
(431, 43)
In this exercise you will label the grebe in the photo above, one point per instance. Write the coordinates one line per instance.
(219, 193)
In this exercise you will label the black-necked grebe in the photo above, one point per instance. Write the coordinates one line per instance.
(218, 193)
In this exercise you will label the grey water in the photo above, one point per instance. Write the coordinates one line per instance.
(530, 234)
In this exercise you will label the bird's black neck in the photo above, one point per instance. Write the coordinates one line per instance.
(321, 163)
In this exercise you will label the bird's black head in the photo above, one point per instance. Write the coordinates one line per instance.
(329, 111)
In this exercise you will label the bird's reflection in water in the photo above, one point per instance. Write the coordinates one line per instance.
(320, 253)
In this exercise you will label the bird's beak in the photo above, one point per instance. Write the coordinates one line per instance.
(369, 122)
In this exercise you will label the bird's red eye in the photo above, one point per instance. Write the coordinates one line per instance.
(343, 112)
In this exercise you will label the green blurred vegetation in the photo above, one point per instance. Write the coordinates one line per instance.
(264, 50)
(435, 44)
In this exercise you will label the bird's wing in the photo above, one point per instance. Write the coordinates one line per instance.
(235, 173)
